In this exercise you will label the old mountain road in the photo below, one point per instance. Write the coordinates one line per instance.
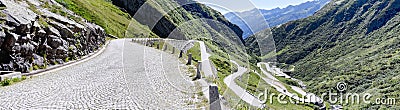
(229, 81)
(272, 81)
(126, 75)
(206, 64)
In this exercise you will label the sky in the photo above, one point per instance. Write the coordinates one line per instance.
(225, 6)
(271, 4)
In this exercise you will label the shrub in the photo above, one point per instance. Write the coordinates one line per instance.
(5, 82)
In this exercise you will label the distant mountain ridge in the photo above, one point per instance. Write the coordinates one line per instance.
(351, 41)
(275, 16)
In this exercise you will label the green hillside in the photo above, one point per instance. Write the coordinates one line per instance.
(185, 19)
(181, 19)
(107, 15)
(352, 41)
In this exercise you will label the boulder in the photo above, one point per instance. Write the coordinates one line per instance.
(73, 49)
(41, 33)
(16, 48)
(64, 30)
(54, 41)
(9, 42)
(25, 42)
(2, 37)
(8, 28)
(36, 26)
(59, 61)
(23, 66)
(61, 51)
(71, 41)
(51, 53)
(53, 31)
(25, 39)
(76, 26)
(45, 48)
(27, 49)
(38, 60)
(19, 16)
(65, 44)
(8, 66)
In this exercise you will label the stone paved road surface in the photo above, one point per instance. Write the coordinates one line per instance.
(125, 75)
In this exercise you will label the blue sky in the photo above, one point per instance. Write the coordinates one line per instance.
(225, 6)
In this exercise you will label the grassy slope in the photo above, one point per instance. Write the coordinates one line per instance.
(195, 51)
(356, 42)
(105, 14)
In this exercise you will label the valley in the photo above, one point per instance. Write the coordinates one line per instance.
(185, 54)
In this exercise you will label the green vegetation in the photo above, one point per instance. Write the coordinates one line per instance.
(137, 30)
(224, 69)
(160, 44)
(56, 9)
(33, 7)
(249, 81)
(7, 82)
(196, 53)
(288, 81)
(43, 22)
(103, 13)
(352, 41)
(67, 59)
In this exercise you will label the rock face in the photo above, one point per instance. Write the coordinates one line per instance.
(33, 37)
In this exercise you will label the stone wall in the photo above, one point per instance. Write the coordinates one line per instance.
(33, 36)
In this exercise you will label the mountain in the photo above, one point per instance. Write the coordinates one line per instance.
(186, 20)
(273, 17)
(351, 41)
(172, 15)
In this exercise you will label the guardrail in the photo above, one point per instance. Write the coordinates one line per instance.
(177, 45)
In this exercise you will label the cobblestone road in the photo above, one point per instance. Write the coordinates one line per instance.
(125, 75)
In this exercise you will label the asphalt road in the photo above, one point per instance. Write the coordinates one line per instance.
(245, 96)
(206, 64)
(271, 80)
(126, 75)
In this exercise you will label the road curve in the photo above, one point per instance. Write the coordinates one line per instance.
(245, 96)
(206, 64)
(271, 80)
(126, 75)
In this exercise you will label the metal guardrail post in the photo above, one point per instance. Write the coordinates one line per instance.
(173, 50)
(158, 44)
(180, 54)
(198, 72)
(189, 62)
(214, 98)
(165, 47)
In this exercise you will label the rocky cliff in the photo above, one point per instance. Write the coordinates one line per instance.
(38, 33)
